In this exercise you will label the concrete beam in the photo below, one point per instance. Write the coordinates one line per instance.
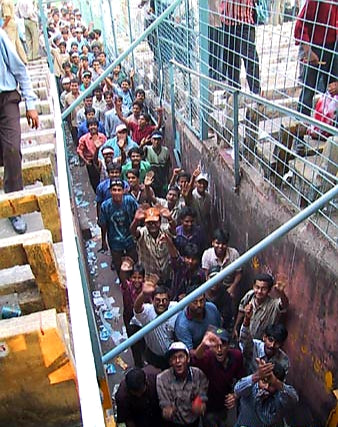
(38, 170)
(41, 199)
(36, 249)
(38, 372)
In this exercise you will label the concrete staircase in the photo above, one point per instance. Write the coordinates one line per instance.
(37, 363)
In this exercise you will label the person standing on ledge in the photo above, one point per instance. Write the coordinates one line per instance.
(13, 73)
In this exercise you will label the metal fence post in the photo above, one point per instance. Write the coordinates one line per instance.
(130, 34)
(113, 28)
(45, 35)
(236, 141)
(177, 149)
(204, 63)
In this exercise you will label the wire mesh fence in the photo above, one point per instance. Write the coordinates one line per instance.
(284, 52)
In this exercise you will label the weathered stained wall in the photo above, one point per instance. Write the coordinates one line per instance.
(303, 259)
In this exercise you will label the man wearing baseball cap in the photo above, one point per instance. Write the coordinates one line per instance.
(222, 365)
(182, 389)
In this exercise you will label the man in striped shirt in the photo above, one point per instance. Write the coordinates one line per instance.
(238, 20)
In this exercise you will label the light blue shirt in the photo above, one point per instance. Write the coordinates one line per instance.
(13, 72)
(112, 143)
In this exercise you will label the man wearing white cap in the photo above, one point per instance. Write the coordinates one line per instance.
(182, 389)
(201, 201)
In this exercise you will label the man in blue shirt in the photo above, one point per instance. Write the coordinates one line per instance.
(13, 73)
(116, 216)
(192, 323)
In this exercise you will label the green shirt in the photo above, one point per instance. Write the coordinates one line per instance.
(144, 168)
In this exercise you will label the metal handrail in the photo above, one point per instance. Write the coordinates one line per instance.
(263, 244)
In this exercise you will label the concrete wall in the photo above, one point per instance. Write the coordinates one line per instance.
(303, 259)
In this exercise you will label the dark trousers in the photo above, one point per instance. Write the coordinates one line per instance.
(240, 43)
(313, 75)
(170, 424)
(216, 48)
(94, 176)
(73, 131)
(10, 140)
(160, 362)
(138, 348)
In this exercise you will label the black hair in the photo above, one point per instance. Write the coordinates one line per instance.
(125, 80)
(184, 174)
(104, 53)
(116, 182)
(74, 44)
(138, 103)
(187, 211)
(97, 89)
(88, 110)
(214, 269)
(92, 121)
(135, 380)
(140, 91)
(89, 97)
(111, 167)
(133, 171)
(75, 80)
(161, 290)
(221, 235)
(174, 188)
(62, 43)
(107, 92)
(138, 268)
(191, 250)
(277, 331)
(97, 31)
(66, 64)
(96, 60)
(195, 285)
(146, 116)
(137, 150)
(265, 277)
(91, 35)
(279, 372)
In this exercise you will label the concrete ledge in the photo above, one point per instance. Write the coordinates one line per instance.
(38, 170)
(37, 137)
(36, 249)
(45, 122)
(35, 152)
(42, 199)
(39, 372)
(42, 107)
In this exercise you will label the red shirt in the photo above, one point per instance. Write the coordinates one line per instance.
(138, 134)
(221, 378)
(87, 147)
(235, 12)
(317, 23)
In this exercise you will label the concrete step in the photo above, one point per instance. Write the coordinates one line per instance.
(38, 137)
(41, 92)
(42, 107)
(46, 121)
(36, 152)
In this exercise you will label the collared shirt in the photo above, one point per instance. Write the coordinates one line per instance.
(160, 164)
(100, 105)
(87, 146)
(111, 121)
(83, 129)
(143, 411)
(13, 72)
(69, 99)
(267, 412)
(191, 331)
(153, 252)
(137, 133)
(235, 12)
(117, 218)
(252, 348)
(263, 315)
(159, 339)
(183, 277)
(181, 393)
(26, 10)
(103, 190)
(197, 237)
(81, 116)
(221, 377)
(209, 260)
(203, 206)
(112, 143)
(143, 169)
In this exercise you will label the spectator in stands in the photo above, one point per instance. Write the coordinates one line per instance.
(137, 190)
(188, 231)
(116, 217)
(160, 162)
(264, 397)
(102, 57)
(268, 349)
(136, 162)
(107, 159)
(10, 27)
(152, 249)
(111, 120)
(88, 145)
(136, 112)
(265, 309)
(159, 339)
(219, 296)
(186, 268)
(75, 63)
(220, 254)
(97, 34)
(80, 115)
(108, 97)
(13, 74)
(26, 10)
(66, 89)
(79, 38)
(132, 279)
(182, 389)
(136, 399)
(118, 75)
(222, 365)
(140, 96)
(194, 320)
(67, 70)
(98, 100)
(201, 202)
(238, 21)
(86, 79)
(121, 143)
(89, 113)
(97, 69)
(316, 32)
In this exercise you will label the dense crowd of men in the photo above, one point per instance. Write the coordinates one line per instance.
(224, 350)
